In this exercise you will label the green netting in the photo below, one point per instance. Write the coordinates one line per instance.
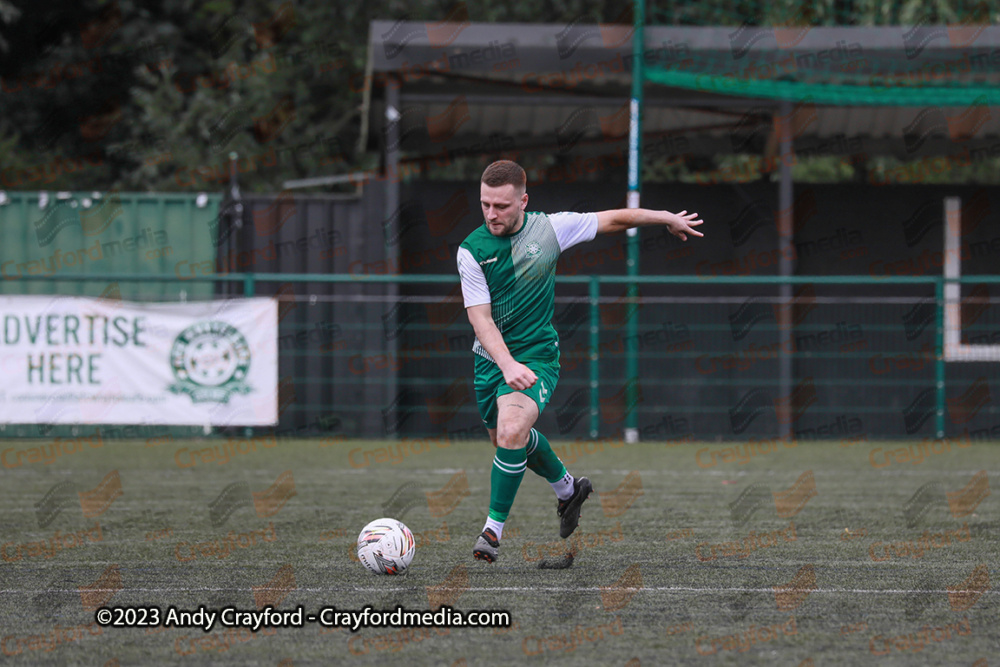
(762, 51)
(828, 93)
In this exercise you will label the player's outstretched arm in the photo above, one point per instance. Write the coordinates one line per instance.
(516, 374)
(618, 220)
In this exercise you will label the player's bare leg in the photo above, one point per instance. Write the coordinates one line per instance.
(571, 492)
(516, 413)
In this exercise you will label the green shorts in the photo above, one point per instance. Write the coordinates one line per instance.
(490, 385)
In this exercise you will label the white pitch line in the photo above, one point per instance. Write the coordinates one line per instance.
(677, 589)
(515, 589)
(687, 473)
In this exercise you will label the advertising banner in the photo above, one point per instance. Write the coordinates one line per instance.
(78, 360)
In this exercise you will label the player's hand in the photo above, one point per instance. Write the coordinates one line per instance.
(680, 224)
(519, 377)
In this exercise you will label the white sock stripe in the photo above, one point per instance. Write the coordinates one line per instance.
(533, 442)
(508, 468)
(519, 471)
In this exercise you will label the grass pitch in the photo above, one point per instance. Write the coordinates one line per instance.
(683, 556)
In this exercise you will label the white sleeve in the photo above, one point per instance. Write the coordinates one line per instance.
(572, 228)
(475, 291)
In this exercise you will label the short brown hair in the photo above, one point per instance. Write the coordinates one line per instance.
(504, 172)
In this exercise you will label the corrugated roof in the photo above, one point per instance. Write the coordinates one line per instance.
(472, 87)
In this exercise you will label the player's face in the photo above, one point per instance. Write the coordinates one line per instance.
(503, 208)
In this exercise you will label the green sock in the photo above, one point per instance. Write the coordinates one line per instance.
(542, 460)
(508, 469)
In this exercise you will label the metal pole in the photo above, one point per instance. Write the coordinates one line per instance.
(595, 356)
(634, 187)
(391, 209)
(234, 220)
(785, 410)
(939, 365)
(948, 293)
(235, 223)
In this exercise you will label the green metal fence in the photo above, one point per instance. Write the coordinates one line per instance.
(722, 358)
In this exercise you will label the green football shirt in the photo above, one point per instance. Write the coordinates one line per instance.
(515, 274)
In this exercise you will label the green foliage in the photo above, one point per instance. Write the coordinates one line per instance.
(818, 13)
(172, 89)
(101, 94)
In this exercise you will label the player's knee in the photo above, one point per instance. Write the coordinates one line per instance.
(510, 438)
